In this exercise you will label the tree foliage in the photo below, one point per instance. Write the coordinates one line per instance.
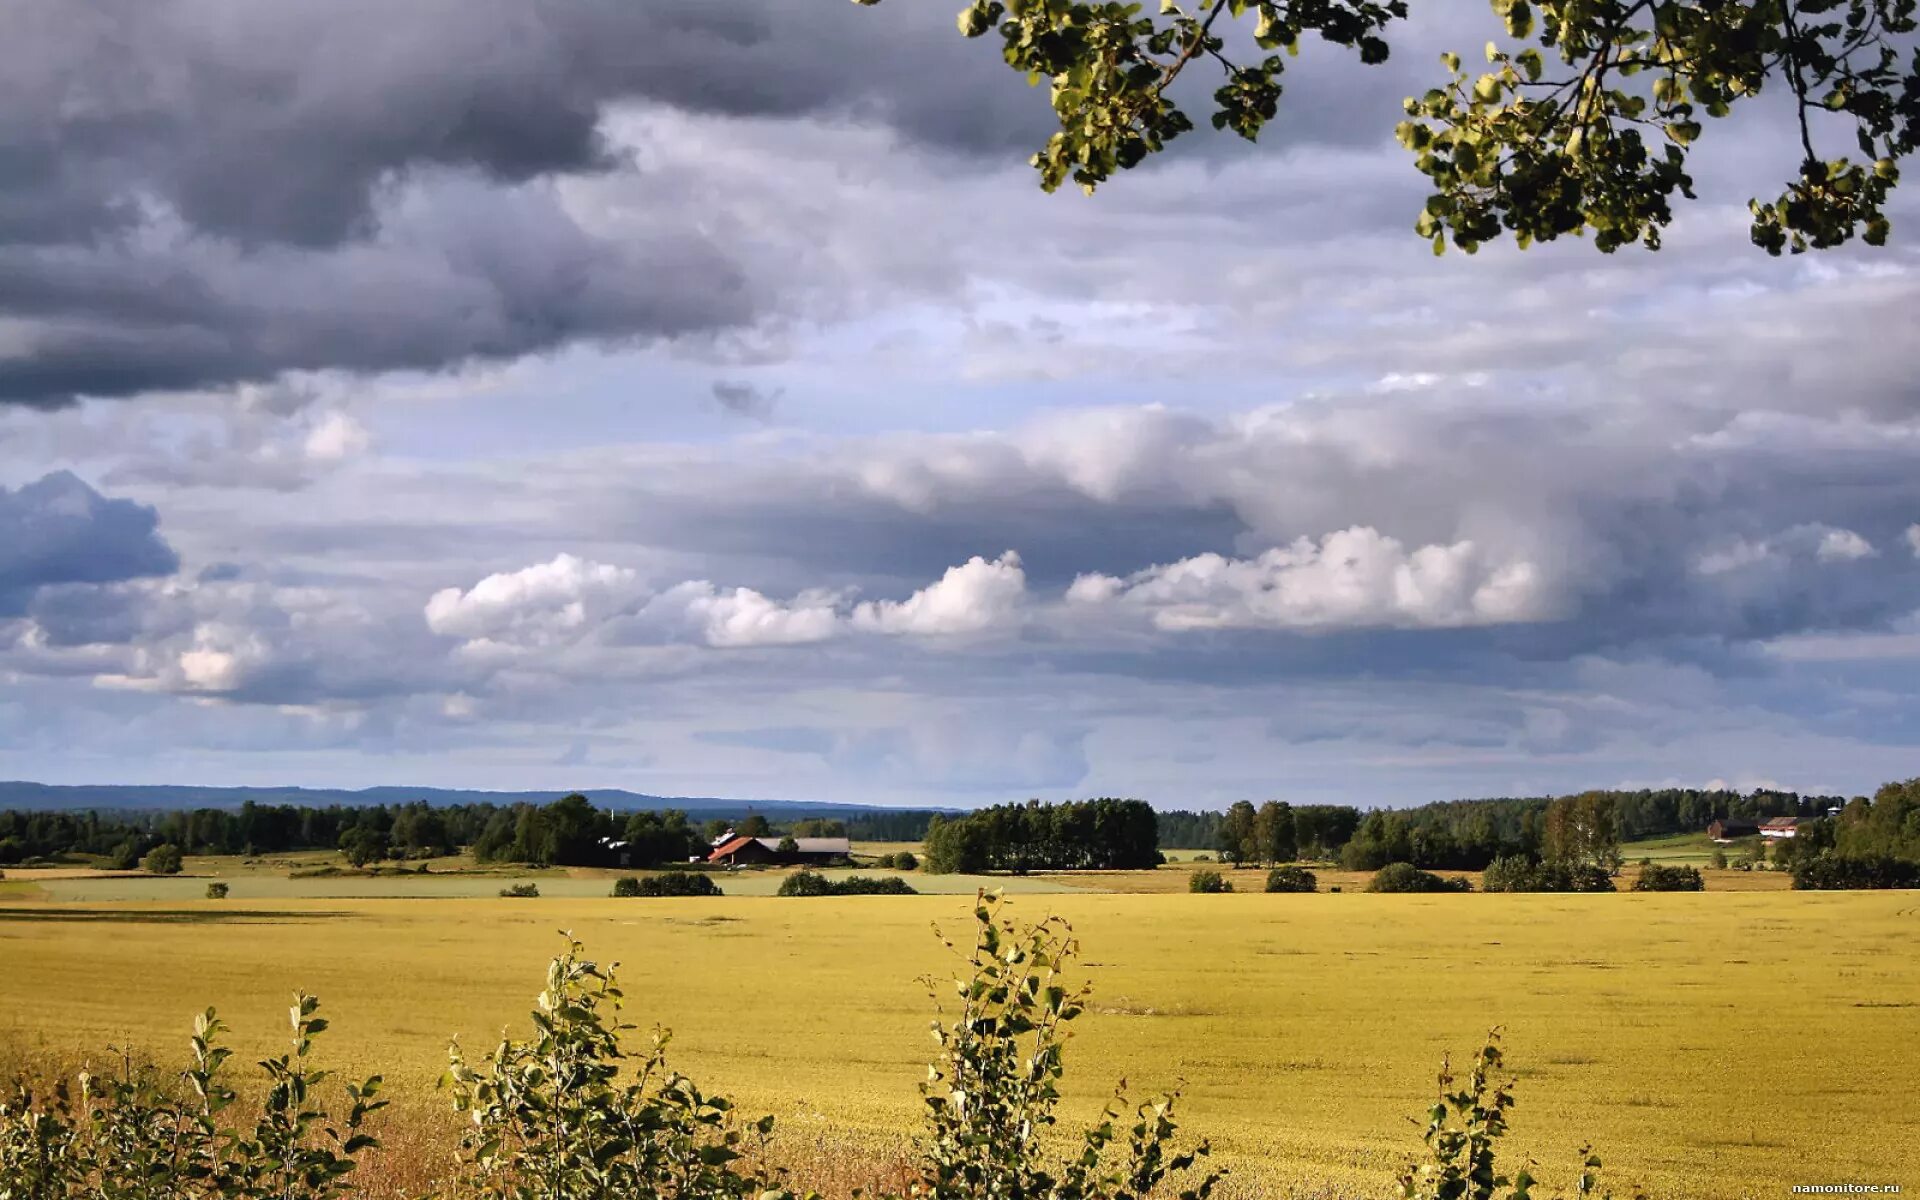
(1292, 879)
(1103, 834)
(1658, 878)
(1580, 120)
(1405, 877)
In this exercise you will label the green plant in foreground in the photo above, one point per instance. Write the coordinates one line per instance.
(993, 1087)
(1463, 1129)
(134, 1135)
(553, 1119)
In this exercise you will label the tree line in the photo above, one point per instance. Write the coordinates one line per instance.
(1104, 834)
(567, 832)
(1460, 835)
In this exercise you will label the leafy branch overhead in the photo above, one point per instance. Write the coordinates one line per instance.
(1581, 119)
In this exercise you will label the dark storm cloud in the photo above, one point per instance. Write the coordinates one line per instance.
(57, 530)
(170, 165)
(201, 192)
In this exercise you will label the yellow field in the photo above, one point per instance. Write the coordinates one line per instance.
(1710, 1045)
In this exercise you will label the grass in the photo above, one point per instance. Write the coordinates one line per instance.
(1709, 1045)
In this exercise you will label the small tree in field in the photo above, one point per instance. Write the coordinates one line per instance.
(559, 1116)
(162, 860)
(1291, 879)
(1208, 882)
(216, 891)
(992, 1091)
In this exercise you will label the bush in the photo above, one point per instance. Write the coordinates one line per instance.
(1718, 861)
(906, 861)
(812, 883)
(1209, 881)
(1291, 879)
(672, 883)
(123, 857)
(553, 1116)
(162, 860)
(135, 1132)
(1831, 871)
(805, 883)
(1203, 858)
(868, 885)
(1669, 879)
(1517, 873)
(520, 891)
(1405, 877)
(216, 891)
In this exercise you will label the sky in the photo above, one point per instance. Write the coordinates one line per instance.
(703, 399)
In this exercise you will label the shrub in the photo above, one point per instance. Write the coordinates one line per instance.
(805, 883)
(993, 1087)
(162, 860)
(136, 1134)
(677, 883)
(1718, 861)
(906, 861)
(812, 883)
(552, 1117)
(520, 891)
(1203, 858)
(1208, 881)
(123, 857)
(868, 885)
(1831, 871)
(1669, 879)
(625, 886)
(1405, 877)
(216, 891)
(1517, 873)
(1291, 879)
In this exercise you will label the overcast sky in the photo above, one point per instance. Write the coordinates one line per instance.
(700, 398)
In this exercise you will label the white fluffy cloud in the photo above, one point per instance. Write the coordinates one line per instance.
(974, 596)
(1843, 545)
(1913, 539)
(740, 617)
(542, 603)
(1353, 578)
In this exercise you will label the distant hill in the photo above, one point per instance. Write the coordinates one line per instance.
(22, 796)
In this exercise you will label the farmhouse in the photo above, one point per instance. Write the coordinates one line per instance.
(1727, 831)
(1779, 827)
(736, 851)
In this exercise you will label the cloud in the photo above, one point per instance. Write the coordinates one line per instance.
(58, 530)
(1353, 578)
(742, 617)
(745, 399)
(534, 605)
(1913, 539)
(974, 596)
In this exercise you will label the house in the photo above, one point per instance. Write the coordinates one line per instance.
(1779, 827)
(740, 851)
(1728, 830)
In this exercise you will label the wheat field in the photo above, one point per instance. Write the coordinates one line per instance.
(1712, 1044)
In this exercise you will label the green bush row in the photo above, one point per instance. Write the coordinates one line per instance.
(812, 883)
(671, 883)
